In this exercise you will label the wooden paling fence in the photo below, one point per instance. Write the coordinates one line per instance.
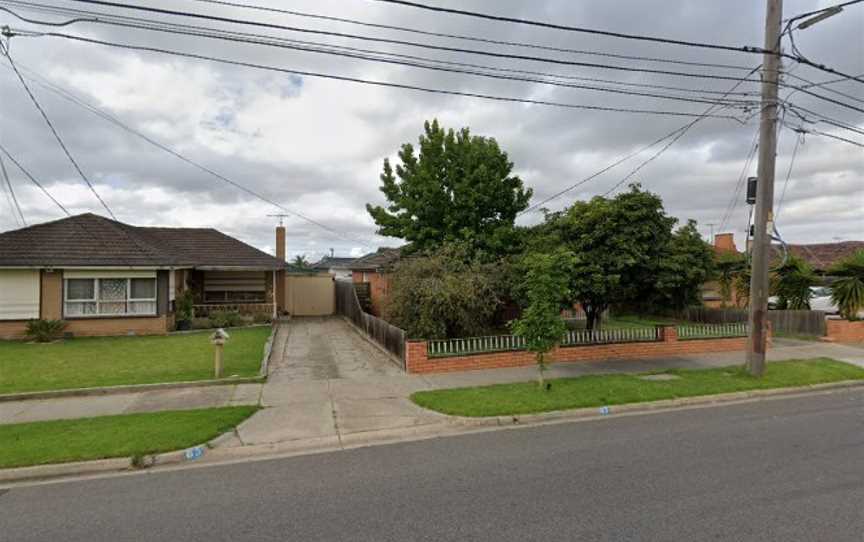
(382, 332)
(782, 321)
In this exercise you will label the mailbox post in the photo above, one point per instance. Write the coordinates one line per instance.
(218, 339)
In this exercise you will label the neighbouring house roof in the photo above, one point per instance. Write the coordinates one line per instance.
(383, 258)
(89, 240)
(329, 262)
(821, 256)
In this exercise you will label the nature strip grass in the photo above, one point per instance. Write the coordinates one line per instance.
(61, 441)
(113, 361)
(603, 390)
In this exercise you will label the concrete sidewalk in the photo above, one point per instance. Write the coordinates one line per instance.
(34, 410)
(328, 384)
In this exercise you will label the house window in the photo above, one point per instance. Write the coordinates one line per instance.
(110, 297)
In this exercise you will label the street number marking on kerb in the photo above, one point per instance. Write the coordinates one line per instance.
(194, 453)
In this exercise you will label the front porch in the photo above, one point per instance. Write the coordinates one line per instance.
(248, 292)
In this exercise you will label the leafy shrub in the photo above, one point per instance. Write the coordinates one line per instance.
(442, 295)
(262, 318)
(225, 319)
(201, 323)
(44, 331)
(184, 305)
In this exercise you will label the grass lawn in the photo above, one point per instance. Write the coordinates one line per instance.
(62, 441)
(110, 361)
(600, 390)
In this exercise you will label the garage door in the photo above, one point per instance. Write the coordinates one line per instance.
(19, 294)
(310, 295)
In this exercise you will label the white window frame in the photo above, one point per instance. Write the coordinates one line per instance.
(128, 300)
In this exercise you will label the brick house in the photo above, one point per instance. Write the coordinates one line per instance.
(374, 270)
(109, 278)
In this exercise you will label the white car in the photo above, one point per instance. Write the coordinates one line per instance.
(820, 300)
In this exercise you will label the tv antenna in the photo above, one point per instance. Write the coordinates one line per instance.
(281, 218)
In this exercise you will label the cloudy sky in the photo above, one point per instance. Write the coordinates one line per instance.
(316, 145)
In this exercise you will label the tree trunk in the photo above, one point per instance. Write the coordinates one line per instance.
(541, 367)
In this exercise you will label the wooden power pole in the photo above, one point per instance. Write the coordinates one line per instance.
(764, 213)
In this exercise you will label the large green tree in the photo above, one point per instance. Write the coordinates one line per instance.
(619, 243)
(455, 187)
(685, 265)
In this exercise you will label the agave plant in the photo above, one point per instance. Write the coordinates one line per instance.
(848, 288)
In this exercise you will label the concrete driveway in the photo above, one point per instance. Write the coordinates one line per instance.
(326, 381)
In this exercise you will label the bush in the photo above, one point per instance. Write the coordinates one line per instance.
(44, 331)
(262, 318)
(225, 319)
(184, 305)
(442, 295)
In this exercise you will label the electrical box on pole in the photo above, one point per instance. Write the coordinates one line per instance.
(751, 190)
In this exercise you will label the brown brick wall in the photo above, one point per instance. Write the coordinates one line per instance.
(844, 331)
(379, 288)
(12, 329)
(417, 360)
(93, 327)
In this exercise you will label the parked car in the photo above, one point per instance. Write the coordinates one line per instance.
(820, 300)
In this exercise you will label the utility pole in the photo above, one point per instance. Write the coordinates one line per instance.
(711, 225)
(764, 213)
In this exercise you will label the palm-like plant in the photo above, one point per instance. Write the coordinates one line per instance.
(791, 284)
(848, 289)
(301, 262)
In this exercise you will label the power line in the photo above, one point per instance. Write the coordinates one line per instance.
(148, 24)
(316, 47)
(811, 84)
(381, 83)
(676, 135)
(274, 26)
(745, 49)
(68, 154)
(33, 180)
(563, 84)
(798, 142)
(733, 202)
(543, 24)
(681, 134)
(117, 122)
(10, 196)
(471, 38)
(600, 172)
(799, 56)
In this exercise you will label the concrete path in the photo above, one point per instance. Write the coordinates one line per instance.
(35, 410)
(326, 381)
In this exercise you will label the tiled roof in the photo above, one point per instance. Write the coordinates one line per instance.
(384, 257)
(822, 256)
(92, 240)
(329, 262)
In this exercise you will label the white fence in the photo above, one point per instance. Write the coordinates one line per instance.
(711, 331)
(504, 343)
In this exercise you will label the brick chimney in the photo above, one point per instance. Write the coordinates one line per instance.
(725, 242)
(280, 242)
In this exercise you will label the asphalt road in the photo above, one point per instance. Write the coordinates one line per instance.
(790, 469)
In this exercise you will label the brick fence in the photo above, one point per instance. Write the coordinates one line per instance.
(418, 360)
(844, 331)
